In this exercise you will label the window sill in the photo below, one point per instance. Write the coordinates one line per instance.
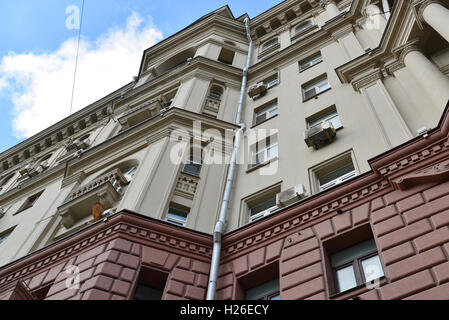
(316, 96)
(263, 164)
(266, 120)
(355, 292)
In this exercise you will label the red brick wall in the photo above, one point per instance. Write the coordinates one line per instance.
(110, 271)
(411, 232)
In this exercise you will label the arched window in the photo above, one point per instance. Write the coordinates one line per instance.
(303, 26)
(269, 44)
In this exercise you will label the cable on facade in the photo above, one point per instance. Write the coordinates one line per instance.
(76, 59)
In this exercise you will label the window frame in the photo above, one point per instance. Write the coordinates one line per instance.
(310, 61)
(265, 47)
(325, 115)
(308, 22)
(28, 204)
(266, 109)
(315, 84)
(341, 178)
(174, 220)
(270, 142)
(263, 213)
(357, 266)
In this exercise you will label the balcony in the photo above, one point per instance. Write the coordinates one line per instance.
(142, 113)
(105, 190)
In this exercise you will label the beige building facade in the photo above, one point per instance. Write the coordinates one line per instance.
(331, 85)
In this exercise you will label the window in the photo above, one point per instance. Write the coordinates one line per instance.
(5, 235)
(271, 81)
(29, 202)
(265, 112)
(226, 56)
(356, 265)
(150, 285)
(258, 211)
(310, 61)
(194, 164)
(269, 44)
(266, 291)
(314, 88)
(337, 176)
(215, 92)
(144, 292)
(264, 151)
(302, 27)
(129, 173)
(330, 115)
(177, 215)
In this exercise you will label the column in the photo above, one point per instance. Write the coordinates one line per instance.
(433, 81)
(437, 16)
(388, 119)
(331, 8)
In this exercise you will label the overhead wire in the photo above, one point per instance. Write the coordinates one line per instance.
(77, 55)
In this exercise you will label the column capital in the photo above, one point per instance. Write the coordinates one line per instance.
(402, 51)
(422, 6)
(325, 3)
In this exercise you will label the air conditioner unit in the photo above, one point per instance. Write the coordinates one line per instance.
(42, 167)
(28, 170)
(256, 90)
(319, 135)
(291, 196)
(81, 145)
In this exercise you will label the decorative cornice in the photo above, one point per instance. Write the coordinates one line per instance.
(125, 224)
(302, 215)
(433, 174)
(368, 79)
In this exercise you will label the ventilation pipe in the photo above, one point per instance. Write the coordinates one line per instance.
(220, 226)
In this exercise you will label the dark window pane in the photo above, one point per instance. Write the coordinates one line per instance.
(147, 293)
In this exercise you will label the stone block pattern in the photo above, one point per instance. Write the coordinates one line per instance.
(411, 230)
(110, 272)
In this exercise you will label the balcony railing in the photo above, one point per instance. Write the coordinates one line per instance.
(105, 190)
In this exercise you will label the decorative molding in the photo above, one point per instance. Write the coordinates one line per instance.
(74, 178)
(434, 173)
(427, 152)
(368, 79)
(302, 218)
(141, 229)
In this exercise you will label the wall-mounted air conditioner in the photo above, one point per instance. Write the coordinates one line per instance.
(257, 90)
(320, 135)
(291, 195)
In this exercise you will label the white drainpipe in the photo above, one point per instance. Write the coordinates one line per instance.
(221, 223)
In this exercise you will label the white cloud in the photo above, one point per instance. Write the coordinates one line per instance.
(40, 84)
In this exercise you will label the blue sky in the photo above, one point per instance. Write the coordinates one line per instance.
(37, 52)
